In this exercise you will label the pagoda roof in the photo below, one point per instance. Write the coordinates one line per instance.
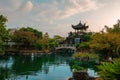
(80, 26)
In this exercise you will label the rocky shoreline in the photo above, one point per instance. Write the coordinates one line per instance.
(83, 75)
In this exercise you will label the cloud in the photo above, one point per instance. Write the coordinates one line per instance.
(47, 12)
(27, 7)
(9, 5)
(46, 16)
(77, 6)
(50, 12)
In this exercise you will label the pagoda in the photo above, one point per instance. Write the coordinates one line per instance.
(80, 27)
(76, 37)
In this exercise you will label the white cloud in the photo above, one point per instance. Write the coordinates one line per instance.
(7, 7)
(27, 7)
(77, 6)
(50, 12)
(49, 15)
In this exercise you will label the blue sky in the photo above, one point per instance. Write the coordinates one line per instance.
(56, 16)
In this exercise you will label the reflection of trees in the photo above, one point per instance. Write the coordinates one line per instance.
(24, 65)
(27, 65)
(4, 70)
(4, 73)
(46, 68)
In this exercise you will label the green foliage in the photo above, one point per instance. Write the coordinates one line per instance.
(82, 61)
(3, 33)
(47, 43)
(110, 70)
(52, 42)
(86, 55)
(115, 29)
(28, 37)
(1, 47)
(59, 38)
(82, 65)
(86, 37)
(24, 38)
(82, 46)
(39, 46)
(106, 43)
(36, 32)
(77, 68)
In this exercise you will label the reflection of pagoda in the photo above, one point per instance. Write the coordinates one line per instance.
(76, 37)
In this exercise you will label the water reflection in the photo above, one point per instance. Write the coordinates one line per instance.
(35, 67)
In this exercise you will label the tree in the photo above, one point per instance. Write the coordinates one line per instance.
(86, 37)
(52, 43)
(3, 33)
(36, 32)
(84, 46)
(44, 41)
(106, 43)
(115, 29)
(24, 38)
(59, 39)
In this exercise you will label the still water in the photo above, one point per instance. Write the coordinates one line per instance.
(35, 67)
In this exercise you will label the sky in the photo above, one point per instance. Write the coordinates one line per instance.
(57, 16)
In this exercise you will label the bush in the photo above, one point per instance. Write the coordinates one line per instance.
(86, 55)
(82, 46)
(110, 70)
(77, 68)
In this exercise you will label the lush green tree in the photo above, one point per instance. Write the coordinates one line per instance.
(3, 30)
(110, 70)
(87, 37)
(44, 42)
(24, 38)
(36, 32)
(84, 46)
(52, 42)
(106, 43)
(3, 33)
(59, 38)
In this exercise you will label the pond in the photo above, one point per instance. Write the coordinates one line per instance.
(35, 67)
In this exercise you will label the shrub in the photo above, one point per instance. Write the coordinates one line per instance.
(83, 55)
(77, 68)
(110, 70)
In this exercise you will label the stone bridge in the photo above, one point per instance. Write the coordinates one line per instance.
(66, 46)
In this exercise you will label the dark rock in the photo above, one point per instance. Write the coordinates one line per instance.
(80, 75)
(70, 79)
